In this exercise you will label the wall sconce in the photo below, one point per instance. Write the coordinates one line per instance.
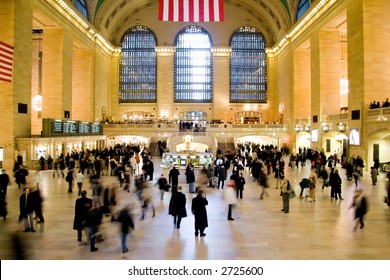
(306, 127)
(341, 127)
(325, 127)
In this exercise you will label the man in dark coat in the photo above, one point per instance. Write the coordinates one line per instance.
(174, 177)
(4, 182)
(177, 206)
(198, 209)
(150, 170)
(26, 206)
(82, 206)
(93, 218)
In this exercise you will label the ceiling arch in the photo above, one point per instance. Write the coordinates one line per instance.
(113, 17)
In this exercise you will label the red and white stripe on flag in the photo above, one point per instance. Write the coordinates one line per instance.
(191, 10)
(6, 61)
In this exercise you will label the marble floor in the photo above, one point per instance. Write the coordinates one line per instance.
(320, 230)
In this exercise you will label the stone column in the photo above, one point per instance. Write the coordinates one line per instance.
(165, 81)
(329, 70)
(221, 91)
(57, 70)
(16, 30)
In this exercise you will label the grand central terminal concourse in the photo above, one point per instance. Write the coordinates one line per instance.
(101, 99)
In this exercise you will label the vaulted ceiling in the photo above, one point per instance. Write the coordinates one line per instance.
(272, 17)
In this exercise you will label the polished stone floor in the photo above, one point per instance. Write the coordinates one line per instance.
(320, 230)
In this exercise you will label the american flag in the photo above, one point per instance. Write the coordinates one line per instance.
(191, 10)
(6, 61)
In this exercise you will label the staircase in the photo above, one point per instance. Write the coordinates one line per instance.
(154, 150)
(228, 144)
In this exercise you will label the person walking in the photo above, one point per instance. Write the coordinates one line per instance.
(198, 209)
(221, 171)
(374, 175)
(146, 197)
(26, 206)
(285, 189)
(70, 178)
(93, 218)
(82, 206)
(190, 178)
(240, 183)
(127, 223)
(174, 174)
(37, 204)
(4, 183)
(312, 187)
(79, 180)
(335, 184)
(162, 183)
(230, 198)
(361, 207)
(177, 206)
(263, 181)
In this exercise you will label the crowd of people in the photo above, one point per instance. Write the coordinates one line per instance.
(132, 170)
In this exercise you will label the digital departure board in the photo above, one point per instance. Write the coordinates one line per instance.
(53, 127)
(84, 128)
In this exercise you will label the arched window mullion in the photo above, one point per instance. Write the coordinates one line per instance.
(303, 6)
(138, 67)
(81, 6)
(248, 75)
(193, 66)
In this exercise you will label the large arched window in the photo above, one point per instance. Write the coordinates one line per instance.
(193, 66)
(81, 6)
(303, 6)
(248, 67)
(138, 66)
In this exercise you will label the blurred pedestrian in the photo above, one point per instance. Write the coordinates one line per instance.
(230, 196)
(37, 201)
(263, 181)
(127, 223)
(162, 183)
(360, 205)
(146, 197)
(93, 218)
(82, 206)
(374, 175)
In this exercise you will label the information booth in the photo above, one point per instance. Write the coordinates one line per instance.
(181, 160)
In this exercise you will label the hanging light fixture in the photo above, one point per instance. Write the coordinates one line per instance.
(344, 83)
(37, 100)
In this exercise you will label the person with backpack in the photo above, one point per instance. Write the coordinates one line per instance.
(70, 178)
